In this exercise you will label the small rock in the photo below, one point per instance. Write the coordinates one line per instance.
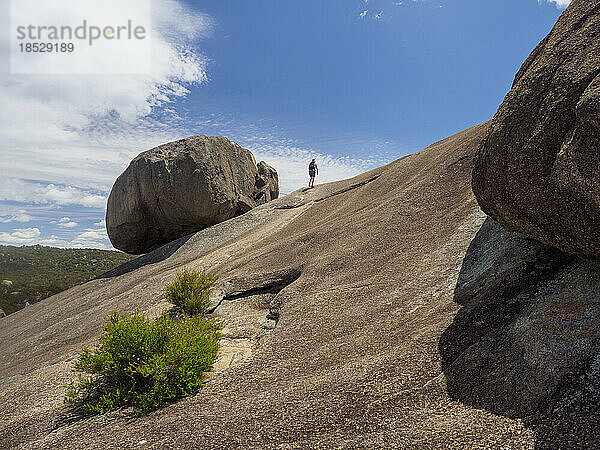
(267, 324)
(216, 297)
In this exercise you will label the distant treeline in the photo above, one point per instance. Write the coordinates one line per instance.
(30, 274)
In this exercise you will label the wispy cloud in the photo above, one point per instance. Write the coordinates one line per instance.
(27, 191)
(560, 4)
(46, 120)
(20, 236)
(291, 163)
(17, 215)
(66, 138)
(65, 222)
(89, 238)
(29, 236)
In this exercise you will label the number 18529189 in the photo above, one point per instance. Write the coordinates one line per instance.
(47, 47)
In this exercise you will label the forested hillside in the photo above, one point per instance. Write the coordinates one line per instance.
(30, 274)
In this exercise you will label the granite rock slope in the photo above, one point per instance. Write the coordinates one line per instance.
(385, 311)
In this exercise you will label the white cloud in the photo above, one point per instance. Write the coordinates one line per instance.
(17, 190)
(18, 215)
(20, 235)
(26, 236)
(560, 4)
(67, 137)
(291, 163)
(74, 133)
(90, 238)
(66, 222)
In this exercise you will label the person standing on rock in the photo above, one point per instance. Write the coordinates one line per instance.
(313, 171)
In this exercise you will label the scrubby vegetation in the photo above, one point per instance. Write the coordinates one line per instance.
(148, 363)
(191, 291)
(37, 272)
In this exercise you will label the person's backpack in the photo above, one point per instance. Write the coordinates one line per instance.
(311, 166)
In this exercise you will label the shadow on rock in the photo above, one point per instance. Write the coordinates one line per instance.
(525, 342)
(160, 254)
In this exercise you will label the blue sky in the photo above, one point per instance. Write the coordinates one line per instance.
(353, 83)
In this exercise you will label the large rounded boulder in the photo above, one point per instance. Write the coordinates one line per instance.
(538, 169)
(181, 187)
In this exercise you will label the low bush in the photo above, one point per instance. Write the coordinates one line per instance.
(191, 291)
(144, 363)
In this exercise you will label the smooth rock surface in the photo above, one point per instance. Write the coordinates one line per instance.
(538, 170)
(183, 186)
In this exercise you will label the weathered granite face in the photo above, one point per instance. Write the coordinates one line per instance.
(267, 183)
(183, 186)
(538, 169)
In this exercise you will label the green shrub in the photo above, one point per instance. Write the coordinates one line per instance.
(191, 290)
(143, 363)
